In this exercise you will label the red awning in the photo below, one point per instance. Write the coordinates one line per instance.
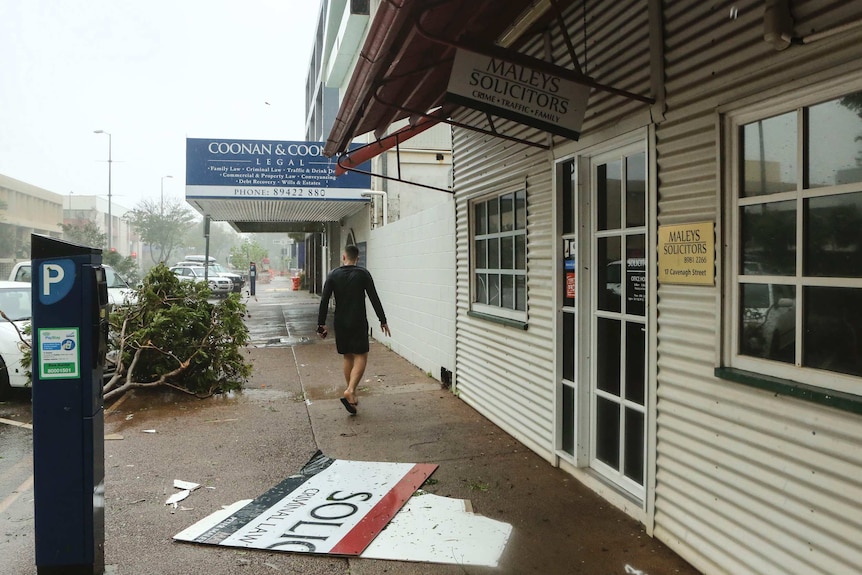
(365, 153)
(400, 72)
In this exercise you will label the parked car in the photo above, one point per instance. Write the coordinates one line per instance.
(119, 291)
(16, 306)
(218, 285)
(769, 320)
(215, 268)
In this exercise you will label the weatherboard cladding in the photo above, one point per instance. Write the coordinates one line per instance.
(505, 372)
(502, 371)
(746, 481)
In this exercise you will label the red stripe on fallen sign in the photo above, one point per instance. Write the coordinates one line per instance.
(355, 542)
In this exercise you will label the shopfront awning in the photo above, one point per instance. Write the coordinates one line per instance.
(405, 66)
(400, 72)
(277, 215)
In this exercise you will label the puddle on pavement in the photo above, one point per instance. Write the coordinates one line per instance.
(149, 406)
(318, 393)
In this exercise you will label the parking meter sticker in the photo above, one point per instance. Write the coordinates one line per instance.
(58, 353)
(56, 278)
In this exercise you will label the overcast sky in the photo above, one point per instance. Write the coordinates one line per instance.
(152, 74)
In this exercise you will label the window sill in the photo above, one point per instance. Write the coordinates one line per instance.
(834, 399)
(501, 320)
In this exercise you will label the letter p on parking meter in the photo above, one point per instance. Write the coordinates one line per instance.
(70, 329)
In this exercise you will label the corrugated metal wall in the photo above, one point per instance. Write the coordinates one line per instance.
(505, 373)
(746, 482)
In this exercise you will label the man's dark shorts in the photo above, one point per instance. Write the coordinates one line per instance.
(351, 340)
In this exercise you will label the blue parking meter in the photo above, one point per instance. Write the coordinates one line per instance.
(69, 339)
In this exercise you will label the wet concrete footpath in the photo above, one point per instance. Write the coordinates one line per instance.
(239, 447)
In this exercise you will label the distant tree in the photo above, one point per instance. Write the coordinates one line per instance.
(126, 266)
(248, 251)
(87, 233)
(7, 240)
(7, 233)
(222, 239)
(164, 230)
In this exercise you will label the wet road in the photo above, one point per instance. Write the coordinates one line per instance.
(283, 320)
(16, 475)
(279, 321)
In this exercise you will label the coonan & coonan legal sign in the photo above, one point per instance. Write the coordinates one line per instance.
(529, 96)
(267, 169)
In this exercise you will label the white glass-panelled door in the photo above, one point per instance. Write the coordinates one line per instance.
(618, 322)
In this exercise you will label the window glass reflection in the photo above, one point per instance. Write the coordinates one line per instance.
(521, 210)
(482, 288)
(633, 466)
(507, 212)
(769, 238)
(507, 290)
(768, 322)
(521, 293)
(481, 219)
(507, 253)
(769, 156)
(609, 188)
(521, 252)
(636, 190)
(834, 144)
(569, 346)
(567, 178)
(493, 216)
(494, 253)
(832, 323)
(609, 272)
(608, 432)
(635, 288)
(481, 254)
(635, 362)
(568, 420)
(834, 242)
(494, 289)
(608, 363)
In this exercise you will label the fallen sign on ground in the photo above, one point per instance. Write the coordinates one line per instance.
(357, 508)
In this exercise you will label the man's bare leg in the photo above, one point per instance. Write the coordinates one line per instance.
(358, 362)
(348, 367)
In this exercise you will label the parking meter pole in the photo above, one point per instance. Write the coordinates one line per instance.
(252, 278)
(70, 328)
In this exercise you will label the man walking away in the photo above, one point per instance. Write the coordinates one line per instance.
(350, 284)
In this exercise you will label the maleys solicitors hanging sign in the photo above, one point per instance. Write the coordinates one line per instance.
(517, 92)
(260, 169)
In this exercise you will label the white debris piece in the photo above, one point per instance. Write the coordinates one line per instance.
(177, 497)
(180, 484)
(186, 488)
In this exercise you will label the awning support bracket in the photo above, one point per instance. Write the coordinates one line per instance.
(385, 177)
(530, 62)
(457, 124)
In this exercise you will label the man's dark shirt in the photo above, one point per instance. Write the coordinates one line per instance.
(350, 284)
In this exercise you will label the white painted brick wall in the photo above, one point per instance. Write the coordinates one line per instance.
(413, 264)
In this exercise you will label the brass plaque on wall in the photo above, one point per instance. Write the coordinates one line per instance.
(686, 254)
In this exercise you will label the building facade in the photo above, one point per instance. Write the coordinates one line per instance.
(716, 399)
(29, 209)
(406, 232)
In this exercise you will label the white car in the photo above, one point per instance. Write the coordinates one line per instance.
(16, 306)
(217, 268)
(219, 285)
(119, 291)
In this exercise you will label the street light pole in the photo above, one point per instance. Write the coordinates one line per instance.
(109, 185)
(162, 208)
